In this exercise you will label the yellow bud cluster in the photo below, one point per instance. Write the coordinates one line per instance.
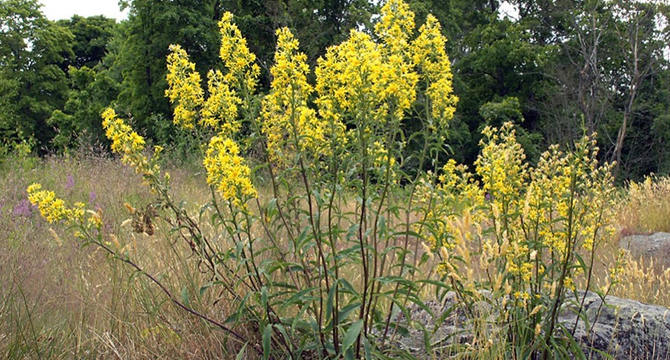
(381, 159)
(502, 167)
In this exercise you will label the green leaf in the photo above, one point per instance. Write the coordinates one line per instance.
(344, 313)
(267, 336)
(184, 296)
(329, 302)
(242, 354)
(351, 335)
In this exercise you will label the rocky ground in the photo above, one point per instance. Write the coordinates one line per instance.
(622, 328)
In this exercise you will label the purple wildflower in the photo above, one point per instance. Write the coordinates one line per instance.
(70, 182)
(23, 208)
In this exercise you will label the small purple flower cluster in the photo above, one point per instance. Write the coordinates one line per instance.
(70, 182)
(23, 209)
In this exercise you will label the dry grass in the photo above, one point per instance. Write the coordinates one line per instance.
(60, 301)
(645, 206)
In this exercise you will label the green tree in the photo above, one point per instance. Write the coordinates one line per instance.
(151, 27)
(605, 59)
(33, 56)
(91, 38)
(91, 91)
(501, 63)
(91, 85)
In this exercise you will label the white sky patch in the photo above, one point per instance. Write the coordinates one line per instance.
(64, 9)
(508, 10)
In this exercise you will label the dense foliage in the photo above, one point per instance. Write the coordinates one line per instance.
(554, 68)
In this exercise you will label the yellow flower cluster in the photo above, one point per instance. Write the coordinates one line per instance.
(397, 85)
(242, 71)
(456, 196)
(541, 217)
(52, 208)
(382, 161)
(367, 84)
(395, 26)
(502, 167)
(570, 186)
(460, 186)
(129, 144)
(289, 124)
(227, 172)
(183, 87)
(220, 110)
(430, 57)
(398, 80)
(349, 78)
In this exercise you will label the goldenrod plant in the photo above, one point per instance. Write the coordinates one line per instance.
(535, 234)
(319, 243)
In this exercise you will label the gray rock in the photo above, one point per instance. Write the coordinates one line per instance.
(624, 329)
(655, 246)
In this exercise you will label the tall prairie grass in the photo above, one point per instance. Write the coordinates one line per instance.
(644, 206)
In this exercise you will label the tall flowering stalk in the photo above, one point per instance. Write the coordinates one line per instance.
(130, 145)
(429, 55)
(184, 87)
(290, 125)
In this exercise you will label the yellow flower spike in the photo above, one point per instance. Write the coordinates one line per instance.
(289, 124)
(220, 110)
(183, 87)
(242, 72)
(129, 144)
(395, 26)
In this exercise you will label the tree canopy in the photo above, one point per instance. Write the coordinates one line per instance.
(557, 69)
